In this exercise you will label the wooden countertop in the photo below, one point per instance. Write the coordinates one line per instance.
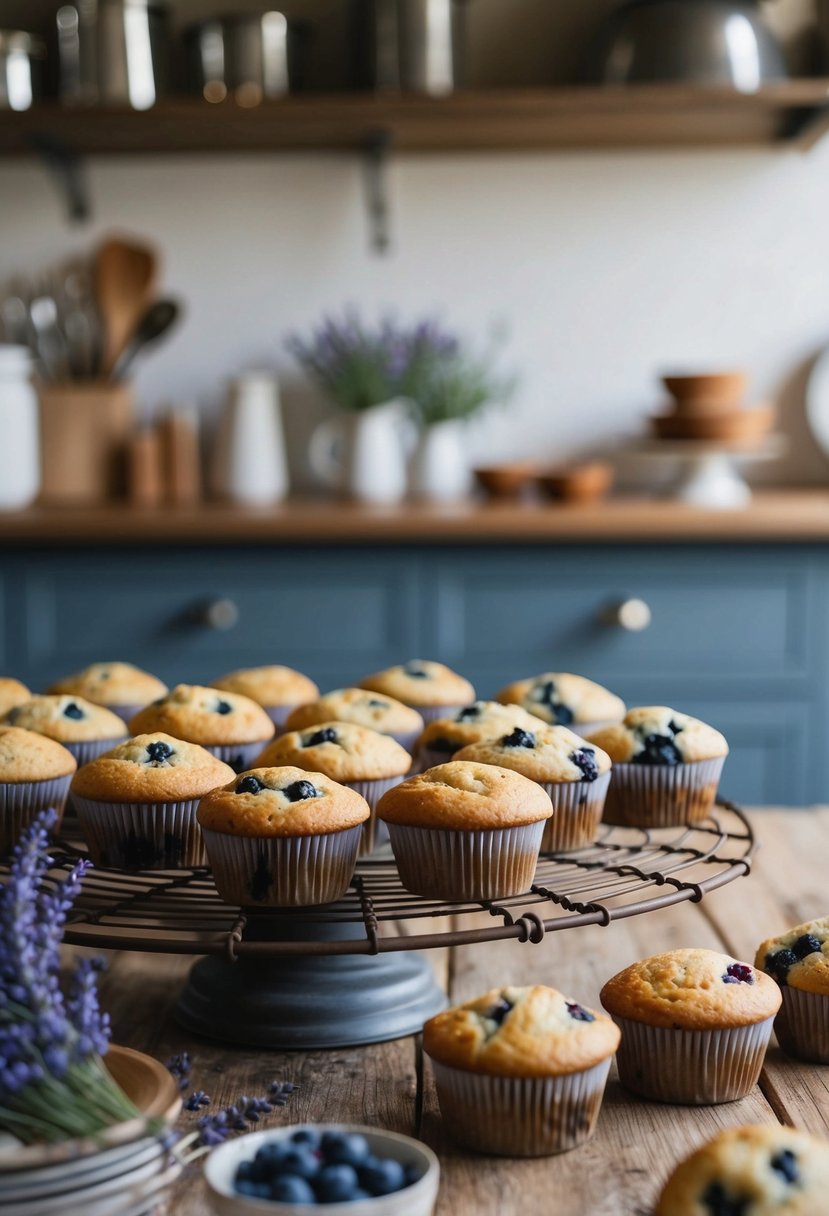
(636, 1143)
(780, 515)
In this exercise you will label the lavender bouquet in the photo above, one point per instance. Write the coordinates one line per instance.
(358, 366)
(445, 380)
(53, 1083)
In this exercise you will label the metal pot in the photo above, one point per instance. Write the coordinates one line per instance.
(21, 56)
(416, 45)
(250, 56)
(711, 42)
(113, 51)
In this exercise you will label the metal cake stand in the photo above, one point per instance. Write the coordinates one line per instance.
(348, 973)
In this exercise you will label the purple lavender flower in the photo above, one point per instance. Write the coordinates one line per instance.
(196, 1100)
(216, 1128)
(179, 1066)
(280, 1092)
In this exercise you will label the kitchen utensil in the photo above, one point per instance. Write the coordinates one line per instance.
(410, 44)
(588, 482)
(157, 321)
(252, 466)
(248, 56)
(124, 280)
(742, 426)
(21, 59)
(507, 480)
(710, 42)
(84, 429)
(77, 32)
(19, 451)
(47, 340)
(113, 51)
(706, 392)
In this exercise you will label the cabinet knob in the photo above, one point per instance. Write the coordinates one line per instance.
(220, 615)
(633, 615)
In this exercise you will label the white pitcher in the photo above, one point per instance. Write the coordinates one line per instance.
(251, 466)
(363, 454)
(439, 470)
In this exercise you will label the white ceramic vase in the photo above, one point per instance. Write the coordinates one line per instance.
(439, 470)
(251, 465)
(363, 454)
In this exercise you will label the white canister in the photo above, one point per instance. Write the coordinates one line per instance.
(251, 465)
(439, 470)
(20, 449)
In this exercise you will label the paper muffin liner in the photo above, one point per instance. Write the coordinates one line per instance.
(90, 749)
(430, 757)
(406, 738)
(127, 710)
(240, 756)
(691, 1067)
(577, 813)
(283, 871)
(141, 835)
(431, 713)
(662, 795)
(585, 729)
(279, 715)
(802, 1025)
(473, 865)
(375, 832)
(22, 801)
(520, 1116)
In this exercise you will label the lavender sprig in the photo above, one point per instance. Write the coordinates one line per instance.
(180, 1067)
(216, 1128)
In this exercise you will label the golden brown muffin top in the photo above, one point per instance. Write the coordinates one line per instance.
(360, 706)
(12, 693)
(112, 684)
(482, 720)
(545, 753)
(521, 1032)
(269, 686)
(799, 958)
(28, 756)
(340, 750)
(691, 990)
(271, 802)
(206, 716)
(66, 719)
(656, 734)
(421, 682)
(769, 1170)
(463, 796)
(151, 768)
(561, 699)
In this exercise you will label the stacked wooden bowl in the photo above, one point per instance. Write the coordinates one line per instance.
(709, 408)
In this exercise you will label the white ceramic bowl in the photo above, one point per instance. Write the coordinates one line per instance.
(418, 1200)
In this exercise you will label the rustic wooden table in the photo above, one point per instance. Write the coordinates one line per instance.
(621, 1170)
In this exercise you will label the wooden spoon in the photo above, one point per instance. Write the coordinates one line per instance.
(125, 274)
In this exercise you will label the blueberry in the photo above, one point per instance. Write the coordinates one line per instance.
(328, 735)
(579, 1013)
(412, 1173)
(415, 671)
(245, 1171)
(468, 714)
(298, 791)
(807, 944)
(223, 707)
(344, 1148)
(785, 1163)
(73, 711)
(675, 728)
(585, 759)
(519, 738)
(382, 1177)
(658, 749)
(717, 1201)
(336, 1183)
(271, 1155)
(158, 752)
(778, 965)
(299, 1160)
(256, 1190)
(374, 703)
(308, 1136)
(249, 785)
(289, 1188)
(498, 1012)
(738, 973)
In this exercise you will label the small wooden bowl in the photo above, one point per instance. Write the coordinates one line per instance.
(707, 393)
(578, 482)
(506, 480)
(738, 426)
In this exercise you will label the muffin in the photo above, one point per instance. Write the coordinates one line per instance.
(799, 962)
(751, 1171)
(35, 772)
(430, 688)
(695, 1026)
(477, 723)
(520, 1072)
(561, 699)
(118, 686)
(231, 726)
(279, 690)
(666, 768)
(12, 693)
(282, 837)
(84, 729)
(363, 708)
(573, 773)
(137, 803)
(464, 831)
(362, 759)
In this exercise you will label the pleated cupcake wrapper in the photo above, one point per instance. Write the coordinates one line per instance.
(520, 1116)
(285, 871)
(240, 756)
(141, 835)
(127, 710)
(474, 865)
(662, 795)
(22, 801)
(577, 813)
(431, 713)
(90, 749)
(802, 1025)
(585, 729)
(691, 1067)
(406, 738)
(279, 715)
(375, 832)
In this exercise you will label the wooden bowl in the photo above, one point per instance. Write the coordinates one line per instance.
(707, 393)
(506, 480)
(578, 482)
(737, 426)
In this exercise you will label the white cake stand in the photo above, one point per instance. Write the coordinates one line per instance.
(709, 475)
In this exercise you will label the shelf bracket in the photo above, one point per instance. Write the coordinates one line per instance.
(67, 171)
(376, 147)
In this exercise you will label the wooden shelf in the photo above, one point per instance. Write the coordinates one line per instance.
(795, 112)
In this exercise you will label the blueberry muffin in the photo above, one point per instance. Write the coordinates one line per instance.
(666, 768)
(231, 726)
(520, 1071)
(279, 690)
(118, 686)
(751, 1171)
(574, 773)
(363, 708)
(799, 962)
(35, 772)
(476, 723)
(84, 729)
(430, 688)
(561, 699)
(464, 831)
(282, 837)
(362, 759)
(137, 803)
(12, 693)
(695, 1026)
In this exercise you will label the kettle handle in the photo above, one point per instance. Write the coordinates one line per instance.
(325, 452)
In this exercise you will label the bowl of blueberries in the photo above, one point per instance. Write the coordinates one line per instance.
(355, 1171)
